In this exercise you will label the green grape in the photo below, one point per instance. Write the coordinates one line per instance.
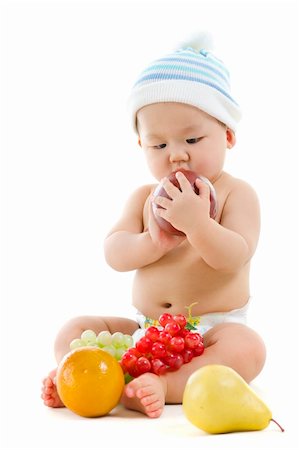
(104, 338)
(128, 341)
(118, 339)
(89, 337)
(109, 349)
(76, 343)
(119, 352)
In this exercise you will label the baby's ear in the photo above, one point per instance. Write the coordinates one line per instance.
(230, 138)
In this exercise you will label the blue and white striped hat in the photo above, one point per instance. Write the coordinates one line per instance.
(194, 77)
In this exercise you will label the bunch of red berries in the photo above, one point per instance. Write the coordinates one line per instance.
(165, 349)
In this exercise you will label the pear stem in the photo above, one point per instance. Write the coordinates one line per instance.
(281, 429)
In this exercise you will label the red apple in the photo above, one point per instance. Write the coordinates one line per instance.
(191, 176)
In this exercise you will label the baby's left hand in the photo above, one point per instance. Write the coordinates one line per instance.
(185, 209)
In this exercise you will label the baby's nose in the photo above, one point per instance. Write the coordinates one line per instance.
(178, 153)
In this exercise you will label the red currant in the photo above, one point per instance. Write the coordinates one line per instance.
(143, 365)
(158, 350)
(165, 337)
(179, 361)
(192, 340)
(128, 360)
(133, 351)
(181, 320)
(165, 318)
(133, 371)
(173, 360)
(197, 351)
(152, 333)
(187, 355)
(169, 359)
(177, 344)
(183, 332)
(172, 328)
(159, 368)
(144, 345)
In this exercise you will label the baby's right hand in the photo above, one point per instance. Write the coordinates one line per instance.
(163, 240)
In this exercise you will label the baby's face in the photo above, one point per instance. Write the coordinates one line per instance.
(176, 135)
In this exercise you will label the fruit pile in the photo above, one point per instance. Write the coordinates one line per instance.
(165, 349)
(116, 344)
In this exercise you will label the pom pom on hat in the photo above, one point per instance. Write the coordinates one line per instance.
(198, 41)
(190, 75)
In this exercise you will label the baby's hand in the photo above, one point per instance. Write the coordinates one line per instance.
(165, 241)
(184, 209)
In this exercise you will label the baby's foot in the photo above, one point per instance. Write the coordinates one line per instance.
(145, 393)
(49, 391)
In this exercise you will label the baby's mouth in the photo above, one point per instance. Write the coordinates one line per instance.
(178, 168)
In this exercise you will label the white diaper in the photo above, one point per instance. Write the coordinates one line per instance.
(200, 323)
(208, 321)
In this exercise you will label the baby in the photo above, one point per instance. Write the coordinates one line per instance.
(185, 118)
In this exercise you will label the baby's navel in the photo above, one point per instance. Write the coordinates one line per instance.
(167, 305)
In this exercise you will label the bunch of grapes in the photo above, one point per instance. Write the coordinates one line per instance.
(163, 349)
(116, 344)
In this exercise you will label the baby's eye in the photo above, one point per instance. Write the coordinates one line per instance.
(159, 146)
(193, 140)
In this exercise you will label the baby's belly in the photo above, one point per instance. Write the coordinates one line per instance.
(157, 290)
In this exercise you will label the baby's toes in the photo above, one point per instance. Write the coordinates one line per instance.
(50, 402)
(48, 382)
(148, 399)
(144, 391)
(48, 390)
(154, 409)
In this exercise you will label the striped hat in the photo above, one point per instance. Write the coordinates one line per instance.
(194, 77)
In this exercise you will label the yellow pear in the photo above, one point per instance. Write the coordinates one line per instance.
(217, 400)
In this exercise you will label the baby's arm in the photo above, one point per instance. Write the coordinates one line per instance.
(129, 246)
(230, 244)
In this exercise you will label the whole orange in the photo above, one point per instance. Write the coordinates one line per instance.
(89, 381)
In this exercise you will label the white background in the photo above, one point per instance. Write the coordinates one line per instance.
(69, 160)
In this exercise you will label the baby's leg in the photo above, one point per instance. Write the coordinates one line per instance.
(72, 330)
(233, 345)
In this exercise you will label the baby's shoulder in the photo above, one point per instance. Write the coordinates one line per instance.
(144, 191)
(140, 195)
(231, 185)
(236, 193)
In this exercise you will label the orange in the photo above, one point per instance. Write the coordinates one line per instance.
(89, 381)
